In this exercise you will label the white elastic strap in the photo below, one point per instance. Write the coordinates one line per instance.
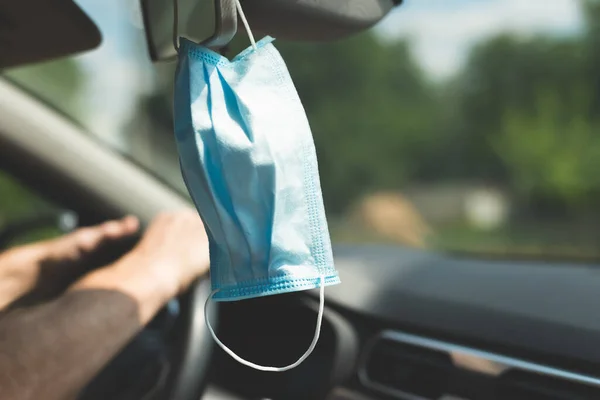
(261, 367)
(245, 22)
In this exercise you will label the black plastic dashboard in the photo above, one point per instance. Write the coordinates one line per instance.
(523, 314)
(544, 310)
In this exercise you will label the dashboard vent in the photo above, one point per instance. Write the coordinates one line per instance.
(410, 367)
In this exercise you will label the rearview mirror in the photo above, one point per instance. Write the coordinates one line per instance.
(214, 22)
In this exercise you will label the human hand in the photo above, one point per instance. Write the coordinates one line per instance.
(175, 247)
(43, 269)
(172, 253)
(74, 249)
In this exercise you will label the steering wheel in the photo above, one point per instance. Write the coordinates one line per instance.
(191, 345)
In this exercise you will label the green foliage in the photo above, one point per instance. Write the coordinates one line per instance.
(370, 110)
(523, 113)
(504, 74)
(554, 151)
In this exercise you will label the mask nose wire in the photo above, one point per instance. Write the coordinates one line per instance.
(265, 368)
(240, 11)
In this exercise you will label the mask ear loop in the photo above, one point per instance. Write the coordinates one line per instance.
(261, 367)
(238, 5)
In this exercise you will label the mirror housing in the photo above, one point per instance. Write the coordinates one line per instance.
(315, 20)
(214, 22)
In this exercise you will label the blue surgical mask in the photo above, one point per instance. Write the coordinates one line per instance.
(248, 160)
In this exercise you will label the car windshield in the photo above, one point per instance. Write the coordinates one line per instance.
(454, 125)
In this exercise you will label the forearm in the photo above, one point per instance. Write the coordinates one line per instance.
(51, 351)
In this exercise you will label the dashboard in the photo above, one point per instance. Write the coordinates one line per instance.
(415, 325)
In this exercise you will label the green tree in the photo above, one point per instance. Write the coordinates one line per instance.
(371, 110)
(506, 73)
(591, 42)
(553, 152)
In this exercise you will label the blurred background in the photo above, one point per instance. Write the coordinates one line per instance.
(456, 125)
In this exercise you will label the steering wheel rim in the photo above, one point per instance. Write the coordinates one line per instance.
(192, 345)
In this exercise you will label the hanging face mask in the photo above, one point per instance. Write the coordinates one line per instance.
(249, 162)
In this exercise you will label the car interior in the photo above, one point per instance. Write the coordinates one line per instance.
(406, 323)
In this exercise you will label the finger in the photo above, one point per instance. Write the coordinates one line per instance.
(88, 239)
(112, 229)
(131, 224)
(120, 228)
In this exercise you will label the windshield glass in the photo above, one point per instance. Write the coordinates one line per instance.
(454, 125)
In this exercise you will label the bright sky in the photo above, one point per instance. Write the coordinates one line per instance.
(442, 32)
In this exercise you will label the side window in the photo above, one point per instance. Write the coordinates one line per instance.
(24, 215)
